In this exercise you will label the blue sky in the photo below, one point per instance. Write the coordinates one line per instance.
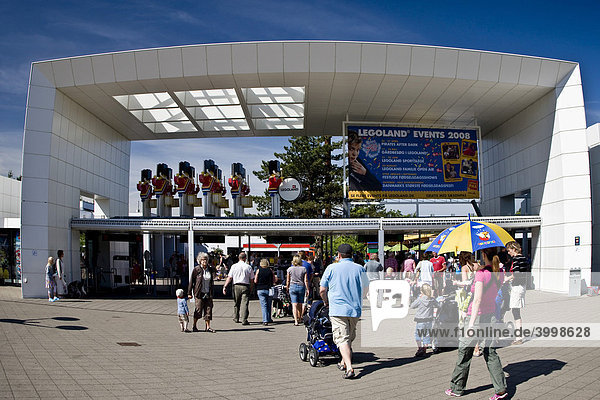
(36, 30)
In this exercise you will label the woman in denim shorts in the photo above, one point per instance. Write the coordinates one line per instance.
(297, 286)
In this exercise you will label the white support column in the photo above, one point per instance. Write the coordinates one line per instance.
(146, 246)
(70, 257)
(190, 251)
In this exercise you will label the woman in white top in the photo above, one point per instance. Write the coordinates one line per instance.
(424, 270)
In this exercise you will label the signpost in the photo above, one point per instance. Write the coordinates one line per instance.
(290, 189)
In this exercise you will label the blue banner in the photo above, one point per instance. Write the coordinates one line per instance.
(412, 163)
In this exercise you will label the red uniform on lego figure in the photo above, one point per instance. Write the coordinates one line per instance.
(207, 181)
(245, 190)
(161, 186)
(185, 184)
(274, 183)
(217, 187)
(234, 183)
(145, 189)
(182, 183)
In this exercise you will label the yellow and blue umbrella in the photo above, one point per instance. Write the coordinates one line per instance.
(470, 236)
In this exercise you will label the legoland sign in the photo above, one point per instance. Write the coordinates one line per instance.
(290, 189)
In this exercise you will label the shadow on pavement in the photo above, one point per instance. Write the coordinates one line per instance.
(63, 300)
(72, 327)
(36, 322)
(521, 372)
(262, 328)
(377, 363)
(65, 318)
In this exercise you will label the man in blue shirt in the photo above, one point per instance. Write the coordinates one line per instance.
(342, 287)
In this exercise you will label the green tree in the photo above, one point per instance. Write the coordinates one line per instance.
(376, 211)
(311, 161)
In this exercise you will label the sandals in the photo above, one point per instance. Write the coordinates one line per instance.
(341, 366)
(211, 330)
(349, 374)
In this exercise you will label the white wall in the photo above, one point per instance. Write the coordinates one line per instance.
(593, 137)
(10, 197)
(543, 148)
(66, 151)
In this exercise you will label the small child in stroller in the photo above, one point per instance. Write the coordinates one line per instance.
(319, 338)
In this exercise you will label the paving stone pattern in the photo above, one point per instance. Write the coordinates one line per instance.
(69, 350)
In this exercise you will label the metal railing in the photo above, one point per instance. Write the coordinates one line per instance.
(248, 226)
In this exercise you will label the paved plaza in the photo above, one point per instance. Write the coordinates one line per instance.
(70, 349)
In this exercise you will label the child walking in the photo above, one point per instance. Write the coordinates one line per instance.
(51, 280)
(424, 318)
(183, 313)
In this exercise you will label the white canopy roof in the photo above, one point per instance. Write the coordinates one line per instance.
(298, 88)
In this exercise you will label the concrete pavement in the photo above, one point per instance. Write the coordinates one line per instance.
(70, 349)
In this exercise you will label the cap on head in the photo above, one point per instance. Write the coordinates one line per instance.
(345, 249)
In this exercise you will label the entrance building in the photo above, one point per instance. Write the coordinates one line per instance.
(83, 112)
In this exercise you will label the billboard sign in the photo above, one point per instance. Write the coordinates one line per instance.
(397, 162)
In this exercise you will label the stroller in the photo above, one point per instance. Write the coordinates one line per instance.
(446, 318)
(76, 290)
(281, 296)
(319, 336)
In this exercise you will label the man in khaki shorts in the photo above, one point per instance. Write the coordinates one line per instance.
(342, 287)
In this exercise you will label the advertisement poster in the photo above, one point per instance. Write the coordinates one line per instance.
(18, 255)
(386, 162)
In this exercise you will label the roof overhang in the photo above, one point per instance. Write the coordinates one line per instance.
(269, 226)
(308, 88)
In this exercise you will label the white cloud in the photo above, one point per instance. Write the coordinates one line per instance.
(592, 112)
(321, 19)
(14, 78)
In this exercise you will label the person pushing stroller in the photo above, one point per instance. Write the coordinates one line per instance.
(342, 287)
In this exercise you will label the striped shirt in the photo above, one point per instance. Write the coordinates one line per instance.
(520, 268)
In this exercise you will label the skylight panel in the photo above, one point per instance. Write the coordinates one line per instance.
(278, 123)
(274, 95)
(217, 112)
(224, 125)
(146, 101)
(171, 127)
(211, 97)
(277, 110)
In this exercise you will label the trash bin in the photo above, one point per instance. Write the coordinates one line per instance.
(575, 282)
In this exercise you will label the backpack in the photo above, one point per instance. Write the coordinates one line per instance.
(464, 298)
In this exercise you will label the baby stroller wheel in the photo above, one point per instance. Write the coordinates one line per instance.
(303, 352)
(313, 357)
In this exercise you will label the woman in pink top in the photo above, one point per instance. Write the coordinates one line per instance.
(481, 311)
(409, 266)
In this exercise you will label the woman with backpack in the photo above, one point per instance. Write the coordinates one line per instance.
(480, 313)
